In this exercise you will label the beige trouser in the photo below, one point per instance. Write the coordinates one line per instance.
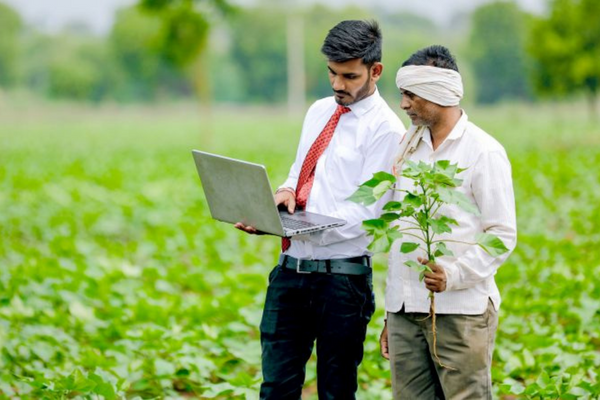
(464, 342)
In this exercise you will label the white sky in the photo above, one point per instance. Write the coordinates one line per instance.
(51, 15)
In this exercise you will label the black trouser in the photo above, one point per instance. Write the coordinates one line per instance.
(332, 309)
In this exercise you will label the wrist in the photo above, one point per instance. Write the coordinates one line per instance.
(286, 189)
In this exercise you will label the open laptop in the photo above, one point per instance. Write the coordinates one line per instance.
(239, 191)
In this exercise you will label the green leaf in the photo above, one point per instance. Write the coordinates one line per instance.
(383, 176)
(441, 179)
(383, 235)
(389, 217)
(422, 220)
(408, 247)
(452, 196)
(382, 241)
(413, 264)
(443, 165)
(408, 212)
(382, 188)
(412, 200)
(78, 382)
(442, 250)
(392, 206)
(380, 244)
(491, 244)
(439, 225)
(364, 195)
(373, 226)
(421, 268)
(164, 367)
(372, 190)
(543, 380)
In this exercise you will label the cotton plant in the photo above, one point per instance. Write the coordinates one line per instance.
(434, 185)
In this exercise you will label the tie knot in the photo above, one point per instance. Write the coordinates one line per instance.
(341, 109)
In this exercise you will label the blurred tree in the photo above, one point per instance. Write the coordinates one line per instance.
(185, 25)
(403, 34)
(10, 27)
(497, 52)
(184, 33)
(258, 48)
(37, 48)
(566, 48)
(78, 67)
(147, 73)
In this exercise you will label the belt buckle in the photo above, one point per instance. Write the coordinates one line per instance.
(298, 270)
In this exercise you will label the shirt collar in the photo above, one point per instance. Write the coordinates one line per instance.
(459, 129)
(363, 106)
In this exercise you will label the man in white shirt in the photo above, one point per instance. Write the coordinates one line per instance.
(321, 289)
(466, 295)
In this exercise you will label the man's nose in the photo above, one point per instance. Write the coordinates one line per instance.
(337, 83)
(404, 104)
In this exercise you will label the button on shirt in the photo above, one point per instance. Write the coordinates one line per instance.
(366, 141)
(470, 272)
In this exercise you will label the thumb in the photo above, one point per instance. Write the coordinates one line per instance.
(291, 206)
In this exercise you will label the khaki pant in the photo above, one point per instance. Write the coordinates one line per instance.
(464, 342)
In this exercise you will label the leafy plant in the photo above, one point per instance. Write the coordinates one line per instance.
(434, 186)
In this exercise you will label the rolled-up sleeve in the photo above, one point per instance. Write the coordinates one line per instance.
(492, 189)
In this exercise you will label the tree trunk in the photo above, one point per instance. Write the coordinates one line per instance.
(295, 59)
(202, 87)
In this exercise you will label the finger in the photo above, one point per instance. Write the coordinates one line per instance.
(383, 345)
(432, 275)
(385, 353)
(423, 261)
(433, 288)
(291, 206)
(434, 267)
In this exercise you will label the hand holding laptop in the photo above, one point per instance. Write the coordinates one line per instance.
(284, 197)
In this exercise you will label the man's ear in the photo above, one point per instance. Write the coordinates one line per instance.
(376, 70)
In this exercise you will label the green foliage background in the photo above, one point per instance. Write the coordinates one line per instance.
(114, 279)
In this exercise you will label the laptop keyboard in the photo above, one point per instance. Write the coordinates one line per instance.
(291, 223)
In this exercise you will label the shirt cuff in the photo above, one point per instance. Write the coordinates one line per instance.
(304, 237)
(286, 189)
(452, 276)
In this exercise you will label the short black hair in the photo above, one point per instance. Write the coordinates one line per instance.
(435, 56)
(353, 39)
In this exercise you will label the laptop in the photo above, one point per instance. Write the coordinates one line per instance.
(239, 191)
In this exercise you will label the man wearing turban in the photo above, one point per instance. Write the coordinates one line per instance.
(467, 298)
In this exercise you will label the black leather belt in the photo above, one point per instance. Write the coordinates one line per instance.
(348, 266)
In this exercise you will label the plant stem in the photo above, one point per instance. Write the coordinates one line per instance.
(431, 258)
(452, 241)
(416, 236)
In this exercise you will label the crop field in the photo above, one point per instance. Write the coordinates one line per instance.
(116, 283)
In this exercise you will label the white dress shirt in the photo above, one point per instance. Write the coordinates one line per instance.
(365, 141)
(470, 272)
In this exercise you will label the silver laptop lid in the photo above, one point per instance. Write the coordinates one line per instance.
(238, 191)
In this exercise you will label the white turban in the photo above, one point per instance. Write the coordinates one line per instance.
(439, 85)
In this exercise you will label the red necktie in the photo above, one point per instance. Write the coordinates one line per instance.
(307, 172)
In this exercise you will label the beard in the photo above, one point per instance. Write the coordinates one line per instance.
(360, 94)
